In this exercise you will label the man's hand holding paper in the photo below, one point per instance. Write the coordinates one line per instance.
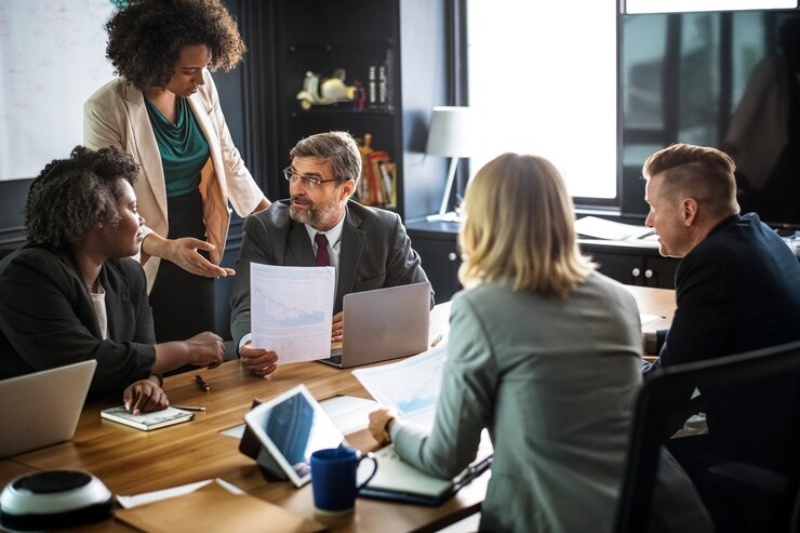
(292, 316)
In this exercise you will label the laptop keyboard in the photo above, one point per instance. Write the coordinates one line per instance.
(335, 359)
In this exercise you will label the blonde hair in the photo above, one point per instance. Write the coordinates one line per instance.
(519, 229)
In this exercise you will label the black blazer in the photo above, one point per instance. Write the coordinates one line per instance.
(375, 252)
(739, 290)
(47, 318)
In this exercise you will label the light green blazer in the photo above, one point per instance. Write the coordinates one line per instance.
(554, 382)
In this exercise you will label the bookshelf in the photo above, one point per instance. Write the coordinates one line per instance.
(377, 43)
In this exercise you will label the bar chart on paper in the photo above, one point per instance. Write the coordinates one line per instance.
(410, 386)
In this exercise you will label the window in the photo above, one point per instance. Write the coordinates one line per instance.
(542, 78)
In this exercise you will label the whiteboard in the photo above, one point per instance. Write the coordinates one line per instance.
(53, 59)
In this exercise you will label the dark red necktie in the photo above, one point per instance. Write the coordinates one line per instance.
(323, 259)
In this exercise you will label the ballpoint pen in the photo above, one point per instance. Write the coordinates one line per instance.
(189, 407)
(202, 384)
(437, 340)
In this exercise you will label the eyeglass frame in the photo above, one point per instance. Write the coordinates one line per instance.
(308, 181)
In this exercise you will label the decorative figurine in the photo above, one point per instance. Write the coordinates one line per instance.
(331, 91)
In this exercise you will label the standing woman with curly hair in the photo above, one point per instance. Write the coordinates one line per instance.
(164, 110)
(72, 293)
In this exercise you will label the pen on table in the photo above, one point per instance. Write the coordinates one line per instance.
(437, 340)
(189, 407)
(202, 384)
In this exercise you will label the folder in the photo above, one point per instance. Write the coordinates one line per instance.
(397, 480)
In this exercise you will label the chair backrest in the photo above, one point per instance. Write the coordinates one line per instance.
(664, 392)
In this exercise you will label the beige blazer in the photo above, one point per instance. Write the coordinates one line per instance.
(116, 115)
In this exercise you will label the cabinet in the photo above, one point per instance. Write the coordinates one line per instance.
(395, 49)
(629, 263)
(436, 244)
(632, 264)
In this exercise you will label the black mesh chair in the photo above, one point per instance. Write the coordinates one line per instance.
(740, 496)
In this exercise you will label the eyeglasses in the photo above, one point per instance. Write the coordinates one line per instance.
(308, 181)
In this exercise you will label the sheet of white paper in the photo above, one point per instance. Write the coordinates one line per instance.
(291, 311)
(410, 386)
(349, 413)
(601, 228)
(148, 497)
(236, 431)
(645, 318)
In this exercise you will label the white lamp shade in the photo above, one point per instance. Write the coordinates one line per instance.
(451, 133)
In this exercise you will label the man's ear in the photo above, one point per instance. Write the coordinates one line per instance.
(688, 211)
(347, 189)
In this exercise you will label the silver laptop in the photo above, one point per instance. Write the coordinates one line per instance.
(384, 324)
(42, 408)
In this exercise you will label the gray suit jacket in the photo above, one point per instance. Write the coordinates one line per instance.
(375, 252)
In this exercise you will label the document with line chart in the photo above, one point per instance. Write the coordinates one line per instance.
(410, 386)
(291, 311)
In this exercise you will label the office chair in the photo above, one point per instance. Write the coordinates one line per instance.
(764, 496)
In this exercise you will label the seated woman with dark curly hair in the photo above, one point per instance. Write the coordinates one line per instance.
(72, 292)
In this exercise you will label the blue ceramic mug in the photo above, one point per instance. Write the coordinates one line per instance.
(333, 479)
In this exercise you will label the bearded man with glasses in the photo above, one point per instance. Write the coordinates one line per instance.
(319, 225)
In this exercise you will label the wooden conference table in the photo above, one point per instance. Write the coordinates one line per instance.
(130, 461)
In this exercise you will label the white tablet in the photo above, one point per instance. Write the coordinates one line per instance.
(290, 427)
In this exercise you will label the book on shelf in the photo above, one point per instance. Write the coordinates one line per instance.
(147, 421)
(383, 87)
(372, 85)
(389, 174)
(380, 195)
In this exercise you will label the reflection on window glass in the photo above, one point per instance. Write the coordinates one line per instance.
(643, 50)
(748, 48)
(698, 102)
(724, 79)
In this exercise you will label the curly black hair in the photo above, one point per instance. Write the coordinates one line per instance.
(72, 195)
(145, 39)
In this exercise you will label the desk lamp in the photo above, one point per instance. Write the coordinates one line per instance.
(450, 135)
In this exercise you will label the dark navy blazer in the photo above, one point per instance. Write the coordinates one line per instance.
(738, 290)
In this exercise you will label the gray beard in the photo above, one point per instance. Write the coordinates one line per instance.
(311, 217)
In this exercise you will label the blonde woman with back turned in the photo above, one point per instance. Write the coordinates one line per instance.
(544, 352)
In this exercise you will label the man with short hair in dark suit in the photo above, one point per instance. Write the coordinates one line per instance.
(737, 289)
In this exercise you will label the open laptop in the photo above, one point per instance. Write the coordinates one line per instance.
(42, 408)
(383, 324)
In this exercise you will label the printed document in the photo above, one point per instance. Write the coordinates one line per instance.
(410, 386)
(291, 311)
(600, 228)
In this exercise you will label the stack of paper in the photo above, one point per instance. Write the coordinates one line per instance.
(600, 228)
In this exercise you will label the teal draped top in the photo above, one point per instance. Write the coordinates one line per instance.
(184, 150)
